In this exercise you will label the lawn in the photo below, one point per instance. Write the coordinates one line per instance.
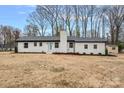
(45, 70)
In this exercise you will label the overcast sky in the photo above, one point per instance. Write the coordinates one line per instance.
(15, 15)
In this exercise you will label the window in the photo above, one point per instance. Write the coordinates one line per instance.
(95, 46)
(56, 45)
(35, 43)
(70, 45)
(25, 45)
(113, 48)
(40, 44)
(85, 46)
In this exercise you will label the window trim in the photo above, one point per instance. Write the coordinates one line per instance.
(56, 45)
(26, 46)
(40, 44)
(71, 45)
(85, 46)
(95, 46)
(35, 44)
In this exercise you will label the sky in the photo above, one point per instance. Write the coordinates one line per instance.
(15, 15)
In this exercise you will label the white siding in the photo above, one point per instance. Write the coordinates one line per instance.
(32, 48)
(55, 49)
(43, 48)
(79, 48)
(70, 50)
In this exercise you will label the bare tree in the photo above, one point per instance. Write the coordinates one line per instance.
(31, 30)
(62, 17)
(79, 20)
(16, 33)
(77, 17)
(68, 19)
(116, 18)
(119, 19)
(85, 14)
(7, 34)
(100, 21)
(39, 20)
(48, 12)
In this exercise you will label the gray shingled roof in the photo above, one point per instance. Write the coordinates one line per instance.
(55, 38)
(80, 39)
(38, 38)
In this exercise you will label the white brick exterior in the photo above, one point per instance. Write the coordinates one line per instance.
(63, 42)
(63, 46)
(79, 48)
(32, 48)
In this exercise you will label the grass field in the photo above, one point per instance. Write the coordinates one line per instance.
(43, 70)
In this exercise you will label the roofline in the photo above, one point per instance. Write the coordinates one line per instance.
(90, 41)
(59, 41)
(37, 40)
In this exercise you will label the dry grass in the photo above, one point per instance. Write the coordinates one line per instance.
(42, 70)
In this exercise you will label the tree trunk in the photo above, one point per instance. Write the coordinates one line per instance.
(117, 35)
(85, 28)
(91, 21)
(52, 29)
(82, 28)
(103, 28)
(112, 36)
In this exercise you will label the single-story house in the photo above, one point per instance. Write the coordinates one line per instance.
(61, 44)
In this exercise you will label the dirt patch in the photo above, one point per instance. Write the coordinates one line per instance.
(43, 70)
(57, 69)
(67, 84)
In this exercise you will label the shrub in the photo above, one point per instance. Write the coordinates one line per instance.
(120, 47)
(43, 52)
(91, 53)
(106, 51)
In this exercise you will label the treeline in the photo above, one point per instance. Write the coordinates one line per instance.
(8, 35)
(78, 20)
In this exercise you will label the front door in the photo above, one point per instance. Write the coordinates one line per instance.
(50, 47)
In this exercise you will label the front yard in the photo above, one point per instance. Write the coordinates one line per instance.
(43, 70)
